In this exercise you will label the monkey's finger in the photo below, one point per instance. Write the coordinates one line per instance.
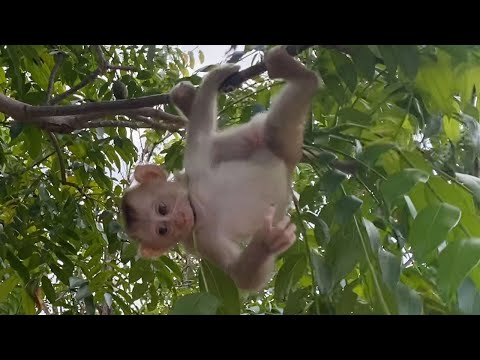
(290, 229)
(268, 220)
(282, 224)
(284, 244)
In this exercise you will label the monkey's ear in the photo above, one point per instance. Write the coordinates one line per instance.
(146, 173)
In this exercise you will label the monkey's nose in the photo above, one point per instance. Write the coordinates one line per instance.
(179, 220)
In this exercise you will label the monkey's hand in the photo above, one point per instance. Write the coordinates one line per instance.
(182, 96)
(278, 238)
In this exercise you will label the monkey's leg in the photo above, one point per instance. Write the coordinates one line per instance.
(182, 96)
(285, 121)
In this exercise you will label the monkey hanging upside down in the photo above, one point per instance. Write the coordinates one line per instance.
(239, 179)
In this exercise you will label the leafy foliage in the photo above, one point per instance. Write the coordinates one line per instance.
(388, 191)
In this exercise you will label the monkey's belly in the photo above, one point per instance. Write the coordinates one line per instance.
(242, 191)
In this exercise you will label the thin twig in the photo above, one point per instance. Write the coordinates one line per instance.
(58, 61)
(132, 124)
(307, 248)
(63, 176)
(103, 66)
(87, 80)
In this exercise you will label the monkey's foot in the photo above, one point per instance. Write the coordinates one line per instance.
(281, 65)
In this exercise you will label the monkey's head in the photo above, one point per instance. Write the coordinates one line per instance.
(157, 213)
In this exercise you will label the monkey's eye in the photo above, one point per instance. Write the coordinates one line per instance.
(162, 230)
(162, 209)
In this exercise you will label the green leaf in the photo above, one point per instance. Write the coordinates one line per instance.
(373, 234)
(191, 59)
(371, 153)
(15, 129)
(364, 60)
(401, 183)
(347, 303)
(18, 266)
(472, 183)
(408, 58)
(343, 251)
(355, 116)
(139, 290)
(48, 289)
(222, 286)
(468, 298)
(455, 262)
(335, 88)
(332, 180)
(452, 129)
(430, 228)
(144, 75)
(172, 266)
(151, 52)
(129, 250)
(308, 195)
(434, 125)
(322, 273)
(450, 193)
(322, 233)
(121, 303)
(100, 280)
(296, 302)
(409, 301)
(7, 286)
(2, 75)
(28, 304)
(153, 291)
(346, 207)
(410, 206)
(137, 270)
(345, 69)
(390, 266)
(470, 222)
(196, 304)
(389, 57)
(289, 274)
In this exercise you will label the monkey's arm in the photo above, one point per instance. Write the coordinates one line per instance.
(252, 268)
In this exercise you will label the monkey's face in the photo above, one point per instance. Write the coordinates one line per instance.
(164, 215)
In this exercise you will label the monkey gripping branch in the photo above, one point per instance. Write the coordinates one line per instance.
(141, 110)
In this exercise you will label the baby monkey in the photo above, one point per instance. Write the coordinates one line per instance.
(239, 179)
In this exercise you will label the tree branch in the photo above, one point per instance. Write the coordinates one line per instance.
(65, 119)
(131, 124)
